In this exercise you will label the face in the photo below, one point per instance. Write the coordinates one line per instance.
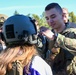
(65, 15)
(53, 18)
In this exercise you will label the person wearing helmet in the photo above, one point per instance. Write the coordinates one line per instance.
(21, 57)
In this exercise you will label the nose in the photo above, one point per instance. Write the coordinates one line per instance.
(50, 21)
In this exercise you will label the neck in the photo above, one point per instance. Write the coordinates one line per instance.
(60, 29)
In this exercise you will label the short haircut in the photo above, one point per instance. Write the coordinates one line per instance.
(54, 5)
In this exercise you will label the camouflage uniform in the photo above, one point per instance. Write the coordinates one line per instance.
(67, 41)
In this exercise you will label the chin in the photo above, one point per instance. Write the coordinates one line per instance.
(53, 27)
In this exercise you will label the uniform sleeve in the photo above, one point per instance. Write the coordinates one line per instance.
(67, 42)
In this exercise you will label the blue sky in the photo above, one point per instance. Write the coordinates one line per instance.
(25, 7)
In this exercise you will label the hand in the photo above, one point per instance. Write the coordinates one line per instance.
(2, 69)
(47, 32)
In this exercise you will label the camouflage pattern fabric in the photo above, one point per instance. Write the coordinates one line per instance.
(71, 69)
(70, 45)
(67, 41)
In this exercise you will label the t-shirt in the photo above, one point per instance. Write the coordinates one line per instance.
(39, 67)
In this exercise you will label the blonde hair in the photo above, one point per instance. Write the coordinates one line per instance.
(12, 54)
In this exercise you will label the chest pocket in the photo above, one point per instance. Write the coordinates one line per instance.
(17, 69)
